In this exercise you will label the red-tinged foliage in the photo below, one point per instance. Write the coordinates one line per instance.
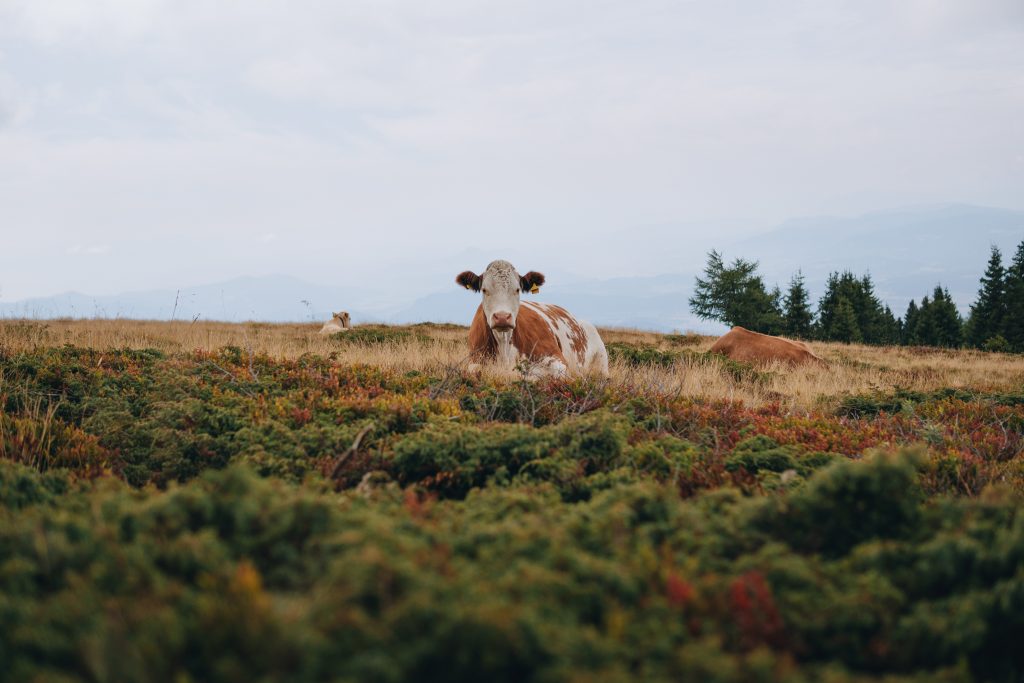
(169, 418)
(757, 618)
(831, 434)
(678, 591)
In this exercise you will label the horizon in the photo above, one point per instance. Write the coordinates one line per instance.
(656, 300)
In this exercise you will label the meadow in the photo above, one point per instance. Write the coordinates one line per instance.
(203, 501)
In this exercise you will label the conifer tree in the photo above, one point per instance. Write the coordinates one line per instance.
(989, 311)
(890, 330)
(872, 326)
(736, 295)
(941, 324)
(844, 326)
(911, 321)
(799, 320)
(1013, 322)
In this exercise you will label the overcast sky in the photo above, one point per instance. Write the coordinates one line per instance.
(166, 143)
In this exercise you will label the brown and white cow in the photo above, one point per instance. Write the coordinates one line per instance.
(340, 322)
(507, 331)
(753, 347)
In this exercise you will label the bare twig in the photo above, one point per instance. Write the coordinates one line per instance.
(252, 372)
(233, 379)
(350, 451)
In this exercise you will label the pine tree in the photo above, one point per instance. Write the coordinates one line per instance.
(889, 330)
(947, 326)
(925, 332)
(1013, 322)
(844, 326)
(911, 321)
(736, 295)
(872, 325)
(989, 311)
(772, 319)
(799, 320)
(870, 314)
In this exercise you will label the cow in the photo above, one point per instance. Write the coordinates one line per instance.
(506, 330)
(753, 347)
(341, 322)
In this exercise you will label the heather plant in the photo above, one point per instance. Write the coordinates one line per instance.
(378, 334)
(854, 575)
(230, 515)
(638, 355)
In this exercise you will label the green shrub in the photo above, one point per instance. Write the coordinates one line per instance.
(866, 405)
(377, 334)
(998, 344)
(763, 454)
(639, 355)
(852, 577)
(684, 339)
(849, 503)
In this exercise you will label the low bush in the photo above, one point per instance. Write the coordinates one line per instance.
(228, 516)
(639, 355)
(853, 576)
(373, 334)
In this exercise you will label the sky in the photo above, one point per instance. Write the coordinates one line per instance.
(152, 144)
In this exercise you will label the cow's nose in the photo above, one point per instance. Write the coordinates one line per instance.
(502, 319)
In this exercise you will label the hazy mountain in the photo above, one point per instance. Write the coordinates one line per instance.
(907, 253)
(276, 298)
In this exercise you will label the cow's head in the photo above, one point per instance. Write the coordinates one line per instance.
(342, 318)
(501, 286)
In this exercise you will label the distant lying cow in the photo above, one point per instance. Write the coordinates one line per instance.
(754, 347)
(506, 331)
(341, 322)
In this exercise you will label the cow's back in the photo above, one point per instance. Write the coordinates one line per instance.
(753, 347)
(579, 345)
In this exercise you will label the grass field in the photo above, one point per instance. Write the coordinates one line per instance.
(853, 369)
(199, 502)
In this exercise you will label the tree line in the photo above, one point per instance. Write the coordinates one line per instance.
(850, 310)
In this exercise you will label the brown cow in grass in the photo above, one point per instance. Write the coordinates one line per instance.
(507, 330)
(753, 347)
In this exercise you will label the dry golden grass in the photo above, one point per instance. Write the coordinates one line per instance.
(852, 369)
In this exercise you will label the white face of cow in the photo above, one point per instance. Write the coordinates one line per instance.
(501, 286)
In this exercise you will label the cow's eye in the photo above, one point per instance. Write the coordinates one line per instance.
(485, 291)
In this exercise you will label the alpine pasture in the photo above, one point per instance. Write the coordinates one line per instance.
(210, 501)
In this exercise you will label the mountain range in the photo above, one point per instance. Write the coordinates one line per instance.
(907, 252)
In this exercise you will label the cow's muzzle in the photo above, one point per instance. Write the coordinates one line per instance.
(502, 321)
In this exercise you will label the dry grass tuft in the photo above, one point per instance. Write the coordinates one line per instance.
(441, 349)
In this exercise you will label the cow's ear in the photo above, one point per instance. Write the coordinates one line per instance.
(532, 281)
(469, 280)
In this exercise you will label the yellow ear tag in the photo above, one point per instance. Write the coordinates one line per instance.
(534, 289)
(469, 286)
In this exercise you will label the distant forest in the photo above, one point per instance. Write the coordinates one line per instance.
(850, 311)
